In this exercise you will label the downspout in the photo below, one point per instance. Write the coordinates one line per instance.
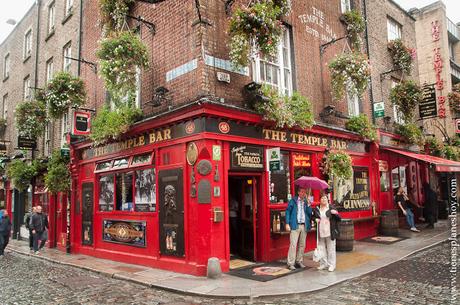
(80, 34)
(37, 43)
(366, 35)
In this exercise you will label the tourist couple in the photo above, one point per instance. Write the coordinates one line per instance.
(299, 215)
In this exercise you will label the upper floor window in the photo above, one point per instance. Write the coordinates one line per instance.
(26, 87)
(276, 71)
(398, 116)
(6, 66)
(67, 54)
(393, 29)
(65, 128)
(68, 6)
(49, 69)
(345, 6)
(51, 17)
(5, 106)
(28, 44)
(353, 104)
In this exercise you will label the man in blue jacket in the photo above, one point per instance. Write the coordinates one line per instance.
(298, 215)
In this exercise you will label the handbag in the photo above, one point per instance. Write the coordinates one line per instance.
(317, 253)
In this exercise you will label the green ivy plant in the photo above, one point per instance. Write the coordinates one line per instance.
(109, 125)
(113, 13)
(258, 24)
(350, 72)
(21, 173)
(361, 125)
(286, 111)
(62, 92)
(355, 27)
(411, 133)
(451, 153)
(402, 55)
(31, 118)
(338, 164)
(57, 177)
(454, 100)
(406, 96)
(120, 56)
(435, 147)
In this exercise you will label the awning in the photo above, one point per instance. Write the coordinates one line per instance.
(442, 165)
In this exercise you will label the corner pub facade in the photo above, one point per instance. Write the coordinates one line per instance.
(160, 195)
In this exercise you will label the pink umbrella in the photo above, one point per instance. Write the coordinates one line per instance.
(313, 183)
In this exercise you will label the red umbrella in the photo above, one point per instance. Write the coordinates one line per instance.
(313, 183)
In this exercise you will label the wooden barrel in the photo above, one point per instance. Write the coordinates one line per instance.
(389, 223)
(346, 236)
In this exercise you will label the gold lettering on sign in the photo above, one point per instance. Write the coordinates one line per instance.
(298, 138)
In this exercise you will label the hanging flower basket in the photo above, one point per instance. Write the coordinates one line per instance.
(21, 173)
(338, 164)
(30, 119)
(120, 57)
(350, 72)
(454, 100)
(435, 147)
(258, 24)
(109, 125)
(57, 177)
(284, 110)
(406, 96)
(451, 153)
(355, 27)
(62, 92)
(113, 13)
(411, 133)
(361, 125)
(402, 56)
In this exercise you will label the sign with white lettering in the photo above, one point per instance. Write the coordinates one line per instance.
(352, 194)
(316, 25)
(427, 106)
(246, 157)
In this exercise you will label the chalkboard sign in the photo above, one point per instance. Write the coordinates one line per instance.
(427, 107)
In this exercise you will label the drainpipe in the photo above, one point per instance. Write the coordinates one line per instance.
(80, 34)
(366, 35)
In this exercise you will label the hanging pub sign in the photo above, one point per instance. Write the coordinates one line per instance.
(352, 194)
(124, 232)
(26, 143)
(427, 107)
(246, 157)
(81, 123)
(273, 158)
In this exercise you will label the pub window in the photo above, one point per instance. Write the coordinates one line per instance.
(384, 182)
(144, 159)
(145, 196)
(106, 192)
(280, 190)
(124, 191)
(301, 164)
(103, 166)
(120, 163)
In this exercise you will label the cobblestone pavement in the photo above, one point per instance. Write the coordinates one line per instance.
(422, 278)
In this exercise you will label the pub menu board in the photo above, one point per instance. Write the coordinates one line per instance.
(427, 106)
(352, 194)
(171, 218)
(246, 157)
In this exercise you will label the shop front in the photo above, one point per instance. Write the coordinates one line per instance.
(208, 181)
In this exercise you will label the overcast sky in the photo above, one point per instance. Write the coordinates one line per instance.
(15, 9)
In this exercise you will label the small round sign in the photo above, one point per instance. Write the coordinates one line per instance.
(224, 127)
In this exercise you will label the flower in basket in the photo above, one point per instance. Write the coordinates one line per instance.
(31, 119)
(338, 164)
(361, 125)
(411, 133)
(454, 100)
(355, 27)
(406, 96)
(62, 92)
(402, 55)
(113, 13)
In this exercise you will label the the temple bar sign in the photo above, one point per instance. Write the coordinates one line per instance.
(297, 138)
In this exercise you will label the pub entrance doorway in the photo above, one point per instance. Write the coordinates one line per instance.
(243, 203)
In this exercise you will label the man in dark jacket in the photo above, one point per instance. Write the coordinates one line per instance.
(27, 218)
(39, 224)
(5, 230)
(298, 222)
(430, 205)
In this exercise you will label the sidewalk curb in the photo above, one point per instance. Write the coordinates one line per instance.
(188, 293)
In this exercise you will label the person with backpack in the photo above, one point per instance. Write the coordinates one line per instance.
(5, 231)
(39, 226)
(27, 218)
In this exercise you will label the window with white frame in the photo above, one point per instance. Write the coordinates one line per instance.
(393, 29)
(353, 104)
(49, 69)
(6, 66)
(28, 44)
(68, 6)
(26, 87)
(345, 6)
(451, 51)
(398, 117)
(137, 101)
(51, 17)
(5, 106)
(64, 128)
(47, 139)
(67, 54)
(276, 71)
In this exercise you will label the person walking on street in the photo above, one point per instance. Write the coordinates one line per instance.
(327, 218)
(39, 225)
(404, 204)
(430, 206)
(298, 214)
(27, 219)
(5, 231)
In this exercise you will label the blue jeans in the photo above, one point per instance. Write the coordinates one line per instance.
(410, 218)
(38, 237)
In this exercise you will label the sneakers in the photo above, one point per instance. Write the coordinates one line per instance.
(291, 267)
(321, 267)
(414, 229)
(37, 252)
(330, 269)
(300, 265)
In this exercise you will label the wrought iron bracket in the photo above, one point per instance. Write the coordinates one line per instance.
(83, 61)
(201, 20)
(382, 75)
(151, 26)
(324, 46)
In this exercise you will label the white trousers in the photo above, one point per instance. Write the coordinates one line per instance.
(297, 236)
(326, 247)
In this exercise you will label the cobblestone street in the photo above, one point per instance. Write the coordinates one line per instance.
(422, 278)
